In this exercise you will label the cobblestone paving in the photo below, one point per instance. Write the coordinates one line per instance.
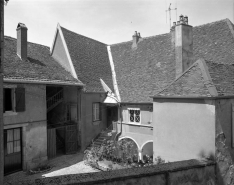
(63, 165)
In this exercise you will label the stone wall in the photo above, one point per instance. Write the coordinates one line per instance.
(192, 172)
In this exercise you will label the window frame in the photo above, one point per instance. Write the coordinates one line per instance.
(94, 113)
(13, 101)
(18, 97)
(129, 121)
(13, 141)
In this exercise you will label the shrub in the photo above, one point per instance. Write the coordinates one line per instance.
(159, 160)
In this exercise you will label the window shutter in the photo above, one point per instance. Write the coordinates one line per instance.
(94, 111)
(100, 111)
(20, 99)
(232, 125)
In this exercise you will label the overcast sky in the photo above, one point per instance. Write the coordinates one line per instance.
(108, 21)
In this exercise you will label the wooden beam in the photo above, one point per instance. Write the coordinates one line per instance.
(1, 89)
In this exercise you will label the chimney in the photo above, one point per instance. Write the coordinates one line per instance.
(182, 37)
(22, 43)
(135, 39)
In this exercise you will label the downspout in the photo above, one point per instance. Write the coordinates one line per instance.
(121, 127)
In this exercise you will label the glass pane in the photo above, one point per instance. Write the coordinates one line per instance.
(9, 135)
(17, 134)
(17, 146)
(9, 147)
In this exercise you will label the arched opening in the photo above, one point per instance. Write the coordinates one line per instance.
(128, 148)
(147, 151)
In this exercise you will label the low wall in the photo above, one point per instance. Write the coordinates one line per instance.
(175, 173)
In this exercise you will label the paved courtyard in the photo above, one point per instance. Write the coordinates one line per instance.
(63, 165)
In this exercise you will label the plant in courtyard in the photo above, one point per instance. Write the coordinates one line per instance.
(159, 160)
(93, 155)
(108, 149)
(127, 151)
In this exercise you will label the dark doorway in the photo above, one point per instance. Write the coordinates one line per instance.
(112, 115)
(12, 150)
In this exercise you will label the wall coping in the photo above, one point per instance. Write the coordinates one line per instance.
(110, 176)
(137, 125)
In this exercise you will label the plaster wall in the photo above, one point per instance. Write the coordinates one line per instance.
(33, 123)
(35, 105)
(183, 129)
(59, 53)
(90, 129)
(180, 173)
(140, 135)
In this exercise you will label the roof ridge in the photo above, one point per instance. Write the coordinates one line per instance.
(149, 37)
(12, 38)
(83, 35)
(222, 20)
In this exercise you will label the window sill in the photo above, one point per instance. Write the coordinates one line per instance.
(97, 122)
(10, 113)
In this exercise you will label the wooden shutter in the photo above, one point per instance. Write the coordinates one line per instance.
(232, 125)
(100, 111)
(20, 99)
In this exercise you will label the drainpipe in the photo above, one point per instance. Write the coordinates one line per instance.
(119, 133)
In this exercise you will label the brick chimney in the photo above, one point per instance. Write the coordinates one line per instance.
(182, 37)
(135, 39)
(22, 43)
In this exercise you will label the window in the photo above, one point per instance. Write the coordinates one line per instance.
(96, 112)
(13, 141)
(134, 115)
(14, 99)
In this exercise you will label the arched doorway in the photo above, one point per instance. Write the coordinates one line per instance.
(147, 150)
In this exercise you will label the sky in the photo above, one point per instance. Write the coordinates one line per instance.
(108, 21)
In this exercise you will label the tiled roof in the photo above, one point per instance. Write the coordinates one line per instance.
(145, 71)
(90, 59)
(39, 67)
(193, 84)
(222, 76)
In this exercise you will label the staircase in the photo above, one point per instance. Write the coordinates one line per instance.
(104, 135)
(54, 100)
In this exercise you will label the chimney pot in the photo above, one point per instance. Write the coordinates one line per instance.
(139, 35)
(181, 19)
(22, 41)
(186, 19)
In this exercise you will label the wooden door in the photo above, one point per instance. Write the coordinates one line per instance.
(71, 139)
(51, 143)
(12, 150)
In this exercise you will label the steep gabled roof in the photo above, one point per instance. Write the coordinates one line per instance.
(90, 60)
(39, 67)
(203, 79)
(145, 71)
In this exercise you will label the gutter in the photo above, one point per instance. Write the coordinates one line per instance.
(193, 97)
(42, 82)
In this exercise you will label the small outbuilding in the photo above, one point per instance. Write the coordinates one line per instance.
(193, 116)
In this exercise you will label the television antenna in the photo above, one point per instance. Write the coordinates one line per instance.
(169, 10)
